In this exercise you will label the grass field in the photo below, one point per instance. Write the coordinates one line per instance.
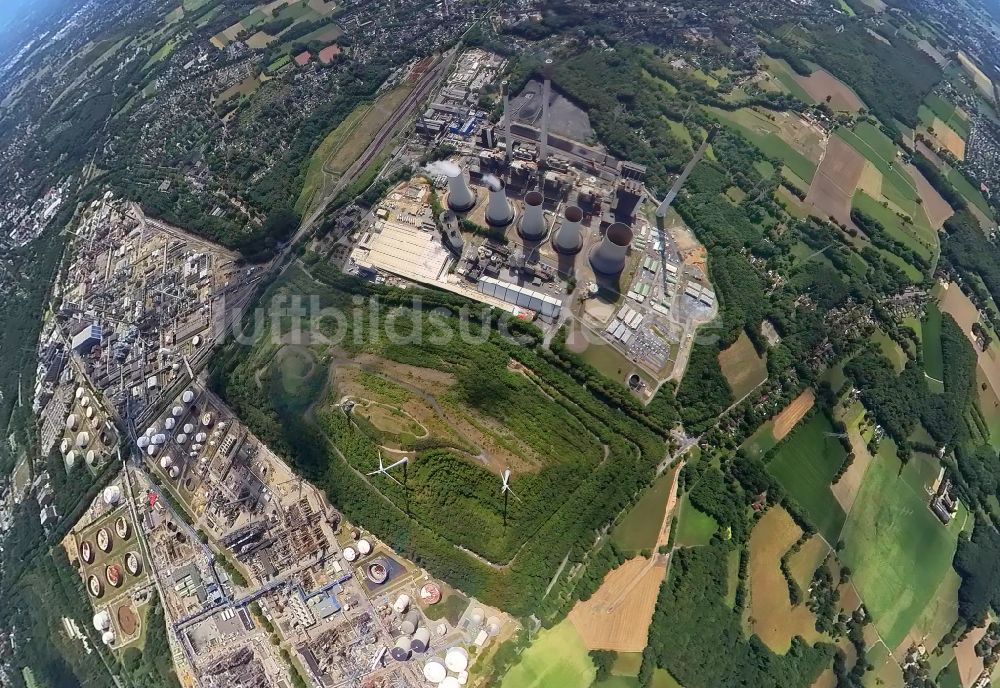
(639, 528)
(916, 235)
(694, 528)
(899, 552)
(761, 442)
(969, 192)
(805, 465)
(890, 349)
(161, 54)
(627, 664)
(933, 359)
(742, 367)
(663, 679)
(773, 138)
(556, 658)
(783, 74)
(345, 144)
(897, 187)
(949, 677)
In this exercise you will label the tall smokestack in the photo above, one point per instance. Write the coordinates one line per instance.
(533, 221)
(498, 210)
(508, 141)
(543, 144)
(608, 257)
(568, 239)
(460, 196)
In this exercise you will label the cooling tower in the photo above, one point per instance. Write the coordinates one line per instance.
(568, 239)
(533, 221)
(608, 257)
(498, 210)
(460, 196)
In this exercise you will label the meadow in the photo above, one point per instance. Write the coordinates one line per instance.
(557, 657)
(805, 465)
(772, 138)
(694, 528)
(897, 549)
(742, 367)
(897, 187)
(640, 526)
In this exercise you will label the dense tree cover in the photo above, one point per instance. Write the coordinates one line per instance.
(704, 392)
(975, 258)
(700, 640)
(781, 51)
(938, 181)
(880, 237)
(281, 223)
(976, 561)
(326, 451)
(154, 665)
(892, 79)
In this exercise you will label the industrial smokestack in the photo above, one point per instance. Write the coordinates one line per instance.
(460, 196)
(568, 239)
(533, 221)
(543, 144)
(498, 210)
(508, 141)
(608, 257)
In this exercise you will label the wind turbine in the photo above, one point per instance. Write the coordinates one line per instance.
(506, 492)
(384, 470)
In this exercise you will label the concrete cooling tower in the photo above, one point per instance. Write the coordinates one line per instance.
(608, 257)
(460, 196)
(533, 221)
(498, 210)
(568, 239)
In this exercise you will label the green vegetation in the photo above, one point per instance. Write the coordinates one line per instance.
(758, 128)
(874, 145)
(805, 465)
(557, 657)
(694, 528)
(933, 362)
(917, 237)
(948, 114)
(640, 526)
(897, 549)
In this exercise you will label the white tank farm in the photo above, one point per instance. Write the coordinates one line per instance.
(493, 625)
(401, 650)
(80, 391)
(70, 459)
(477, 616)
(206, 420)
(102, 621)
(177, 411)
(85, 402)
(108, 638)
(350, 554)
(83, 439)
(90, 412)
(434, 671)
(181, 438)
(174, 472)
(151, 450)
(457, 659)
(64, 446)
(72, 422)
(188, 396)
(122, 527)
(166, 462)
(169, 423)
(133, 564)
(200, 437)
(364, 547)
(112, 495)
(401, 604)
(450, 682)
(188, 428)
(151, 430)
(143, 442)
(410, 622)
(87, 552)
(421, 640)
(91, 458)
(104, 540)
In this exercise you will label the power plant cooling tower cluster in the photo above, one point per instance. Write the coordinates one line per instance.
(608, 257)
(533, 221)
(460, 196)
(568, 239)
(498, 210)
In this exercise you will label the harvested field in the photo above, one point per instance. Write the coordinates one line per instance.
(935, 207)
(792, 414)
(826, 680)
(982, 81)
(742, 367)
(803, 564)
(871, 180)
(846, 489)
(948, 138)
(772, 616)
(836, 178)
(969, 665)
(821, 84)
(617, 616)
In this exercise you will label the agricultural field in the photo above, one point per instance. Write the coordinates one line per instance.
(948, 113)
(773, 431)
(821, 85)
(743, 368)
(345, 144)
(772, 616)
(837, 176)
(895, 185)
(897, 549)
(805, 466)
(784, 78)
(945, 136)
(694, 528)
(916, 235)
(557, 657)
(640, 527)
(982, 81)
(890, 349)
(781, 135)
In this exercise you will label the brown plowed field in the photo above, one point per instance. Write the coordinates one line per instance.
(835, 180)
(969, 665)
(821, 84)
(792, 414)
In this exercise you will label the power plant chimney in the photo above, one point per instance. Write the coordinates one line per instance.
(568, 239)
(608, 257)
(460, 196)
(508, 141)
(543, 144)
(533, 221)
(498, 210)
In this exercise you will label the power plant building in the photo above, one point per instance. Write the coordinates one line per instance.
(86, 339)
(543, 304)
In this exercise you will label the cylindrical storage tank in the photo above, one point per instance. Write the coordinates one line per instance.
(166, 462)
(200, 437)
(608, 257)
(498, 210)
(568, 239)
(533, 221)
(188, 428)
(188, 396)
(108, 637)
(85, 402)
(182, 438)
(174, 472)
(83, 439)
(91, 457)
(90, 412)
(410, 622)
(112, 495)
(133, 564)
(151, 450)
(169, 423)
(401, 650)
(477, 616)
(70, 458)
(79, 393)
(460, 196)
(102, 621)
(122, 527)
(457, 659)
(158, 439)
(143, 442)
(64, 446)
(206, 419)
(493, 625)
(364, 547)
(401, 604)
(177, 411)
(94, 586)
(421, 640)
(350, 554)
(434, 671)
(450, 682)
(104, 539)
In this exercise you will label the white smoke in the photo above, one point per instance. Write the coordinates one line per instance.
(492, 182)
(445, 167)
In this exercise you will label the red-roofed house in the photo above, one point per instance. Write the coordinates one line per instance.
(327, 54)
(302, 59)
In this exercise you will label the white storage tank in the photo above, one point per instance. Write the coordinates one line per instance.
(364, 547)
(72, 422)
(421, 640)
(434, 671)
(401, 604)
(350, 554)
(457, 659)
(177, 411)
(401, 650)
(82, 440)
(188, 396)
